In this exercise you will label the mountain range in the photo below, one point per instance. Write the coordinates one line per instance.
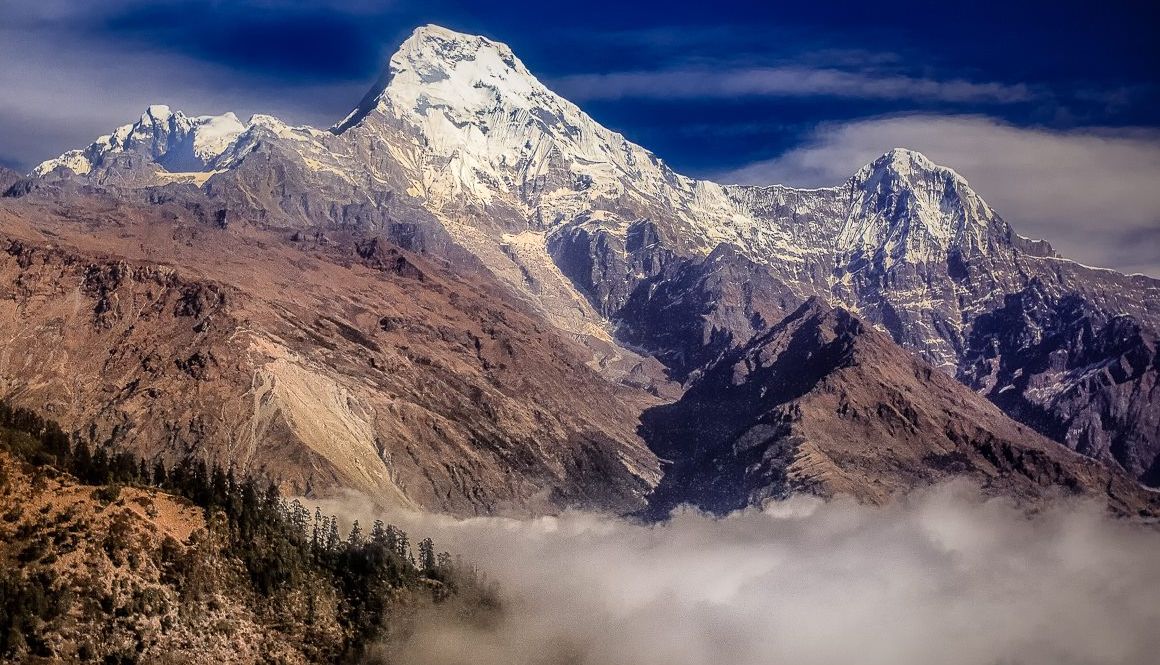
(469, 296)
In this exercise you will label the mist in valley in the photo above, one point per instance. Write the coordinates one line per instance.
(943, 576)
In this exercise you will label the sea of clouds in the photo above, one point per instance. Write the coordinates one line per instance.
(942, 577)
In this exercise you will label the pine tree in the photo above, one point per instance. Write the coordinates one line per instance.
(319, 526)
(273, 499)
(160, 478)
(219, 487)
(378, 533)
(332, 539)
(299, 518)
(99, 468)
(179, 477)
(427, 555)
(200, 482)
(392, 538)
(82, 459)
(402, 545)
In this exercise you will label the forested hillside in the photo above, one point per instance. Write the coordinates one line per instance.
(105, 558)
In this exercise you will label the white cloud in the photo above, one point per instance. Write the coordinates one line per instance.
(943, 578)
(1092, 193)
(783, 81)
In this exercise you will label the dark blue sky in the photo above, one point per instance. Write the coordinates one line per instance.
(1010, 93)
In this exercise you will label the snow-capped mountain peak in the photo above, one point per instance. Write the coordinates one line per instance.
(437, 68)
(157, 113)
(914, 209)
(170, 139)
(475, 128)
(908, 169)
(460, 124)
(907, 162)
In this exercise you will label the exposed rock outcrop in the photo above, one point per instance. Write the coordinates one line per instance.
(823, 403)
(349, 364)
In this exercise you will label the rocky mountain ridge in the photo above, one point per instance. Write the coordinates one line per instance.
(823, 404)
(460, 155)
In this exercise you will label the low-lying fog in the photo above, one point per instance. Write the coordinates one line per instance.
(944, 578)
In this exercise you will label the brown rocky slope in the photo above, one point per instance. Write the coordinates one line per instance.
(342, 360)
(322, 362)
(822, 403)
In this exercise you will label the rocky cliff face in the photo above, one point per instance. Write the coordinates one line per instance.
(696, 309)
(461, 155)
(822, 403)
(8, 177)
(1074, 372)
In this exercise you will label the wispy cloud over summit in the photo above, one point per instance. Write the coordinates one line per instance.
(785, 81)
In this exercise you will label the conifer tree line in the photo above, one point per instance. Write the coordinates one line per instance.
(281, 543)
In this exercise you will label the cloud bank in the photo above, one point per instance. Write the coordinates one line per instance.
(1091, 192)
(944, 578)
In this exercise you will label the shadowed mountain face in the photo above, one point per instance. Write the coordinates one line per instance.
(821, 403)
(594, 262)
(8, 177)
(1074, 372)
